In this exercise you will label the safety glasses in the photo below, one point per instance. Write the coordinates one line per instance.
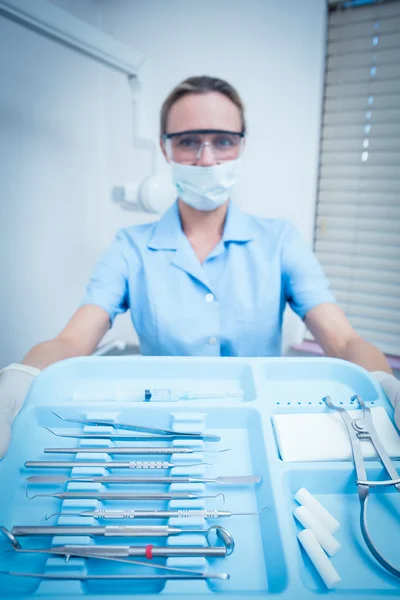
(187, 146)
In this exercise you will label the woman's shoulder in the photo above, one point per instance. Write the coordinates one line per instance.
(277, 228)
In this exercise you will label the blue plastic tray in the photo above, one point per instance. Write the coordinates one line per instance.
(267, 558)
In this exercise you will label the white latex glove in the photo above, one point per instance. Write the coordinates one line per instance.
(391, 387)
(15, 381)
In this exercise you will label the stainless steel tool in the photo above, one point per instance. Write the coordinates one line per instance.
(151, 432)
(129, 437)
(88, 576)
(156, 514)
(112, 464)
(116, 531)
(89, 495)
(149, 551)
(115, 554)
(236, 480)
(158, 450)
(362, 428)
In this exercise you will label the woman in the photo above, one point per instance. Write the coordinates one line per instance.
(206, 279)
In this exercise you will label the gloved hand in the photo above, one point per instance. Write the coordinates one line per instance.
(15, 381)
(391, 387)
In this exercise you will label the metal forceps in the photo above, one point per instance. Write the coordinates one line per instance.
(152, 433)
(362, 428)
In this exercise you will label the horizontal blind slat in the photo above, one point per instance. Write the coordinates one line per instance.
(355, 274)
(385, 72)
(366, 287)
(360, 143)
(357, 298)
(362, 171)
(368, 116)
(363, 14)
(367, 157)
(388, 265)
(351, 46)
(388, 328)
(369, 86)
(332, 183)
(352, 247)
(355, 211)
(360, 198)
(358, 236)
(363, 103)
(364, 29)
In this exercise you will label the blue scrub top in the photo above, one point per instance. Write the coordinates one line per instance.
(231, 305)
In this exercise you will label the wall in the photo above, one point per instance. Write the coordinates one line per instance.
(56, 216)
(66, 137)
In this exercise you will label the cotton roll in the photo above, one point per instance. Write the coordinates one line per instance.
(326, 539)
(321, 562)
(318, 511)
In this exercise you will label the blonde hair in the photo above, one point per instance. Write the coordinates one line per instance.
(200, 85)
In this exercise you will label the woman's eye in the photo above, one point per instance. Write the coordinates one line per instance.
(223, 142)
(188, 142)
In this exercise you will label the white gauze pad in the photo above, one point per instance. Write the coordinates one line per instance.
(321, 562)
(323, 436)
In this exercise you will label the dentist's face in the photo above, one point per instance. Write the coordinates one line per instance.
(204, 111)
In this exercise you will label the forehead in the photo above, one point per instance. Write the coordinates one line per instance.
(204, 111)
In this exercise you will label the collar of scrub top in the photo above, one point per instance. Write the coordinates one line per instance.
(240, 227)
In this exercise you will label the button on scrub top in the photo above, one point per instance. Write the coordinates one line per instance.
(231, 305)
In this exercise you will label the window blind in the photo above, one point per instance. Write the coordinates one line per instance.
(357, 234)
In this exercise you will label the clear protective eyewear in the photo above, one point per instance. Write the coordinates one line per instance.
(187, 146)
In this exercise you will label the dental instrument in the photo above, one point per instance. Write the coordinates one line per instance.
(121, 496)
(87, 577)
(237, 480)
(115, 531)
(321, 562)
(361, 428)
(131, 450)
(304, 497)
(141, 465)
(156, 514)
(323, 536)
(149, 551)
(131, 437)
(152, 433)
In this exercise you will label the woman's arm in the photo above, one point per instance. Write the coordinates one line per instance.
(80, 337)
(333, 332)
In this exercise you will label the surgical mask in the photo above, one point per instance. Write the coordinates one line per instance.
(205, 188)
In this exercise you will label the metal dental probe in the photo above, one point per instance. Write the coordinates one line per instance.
(114, 530)
(59, 464)
(168, 433)
(238, 480)
(86, 577)
(121, 496)
(155, 514)
(132, 450)
(130, 436)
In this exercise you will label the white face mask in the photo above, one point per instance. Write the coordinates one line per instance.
(205, 188)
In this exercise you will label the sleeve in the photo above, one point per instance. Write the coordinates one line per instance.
(305, 284)
(108, 285)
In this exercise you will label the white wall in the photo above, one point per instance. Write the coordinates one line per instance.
(66, 134)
